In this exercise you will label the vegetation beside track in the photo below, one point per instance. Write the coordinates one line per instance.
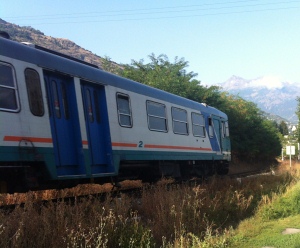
(275, 213)
(206, 215)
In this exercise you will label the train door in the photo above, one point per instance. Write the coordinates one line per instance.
(218, 130)
(215, 133)
(225, 136)
(64, 121)
(96, 119)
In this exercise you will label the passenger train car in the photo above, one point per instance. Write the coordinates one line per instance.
(64, 122)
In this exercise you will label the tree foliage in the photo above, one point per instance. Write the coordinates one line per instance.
(283, 128)
(298, 107)
(108, 65)
(252, 136)
(162, 74)
(171, 77)
(298, 115)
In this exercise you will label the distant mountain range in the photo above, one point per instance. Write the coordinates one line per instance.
(271, 96)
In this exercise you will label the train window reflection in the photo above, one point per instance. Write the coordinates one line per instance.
(65, 101)
(124, 111)
(89, 106)
(97, 106)
(210, 128)
(34, 92)
(8, 89)
(56, 100)
(157, 119)
(180, 124)
(198, 125)
(226, 129)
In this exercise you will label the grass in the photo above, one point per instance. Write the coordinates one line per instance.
(275, 213)
(220, 213)
(256, 232)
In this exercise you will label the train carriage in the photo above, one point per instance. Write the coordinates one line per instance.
(63, 122)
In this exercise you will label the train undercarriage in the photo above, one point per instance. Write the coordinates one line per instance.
(176, 169)
(22, 177)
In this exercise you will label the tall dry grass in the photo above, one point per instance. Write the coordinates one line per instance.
(163, 216)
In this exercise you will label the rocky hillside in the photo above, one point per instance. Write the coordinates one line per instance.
(65, 46)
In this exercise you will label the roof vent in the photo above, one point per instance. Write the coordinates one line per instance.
(28, 44)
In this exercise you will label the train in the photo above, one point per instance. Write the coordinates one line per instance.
(64, 122)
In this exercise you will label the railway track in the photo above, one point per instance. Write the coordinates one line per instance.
(114, 192)
(250, 173)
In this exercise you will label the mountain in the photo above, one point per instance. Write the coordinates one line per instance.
(61, 45)
(270, 95)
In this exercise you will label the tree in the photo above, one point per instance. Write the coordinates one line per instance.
(162, 74)
(108, 65)
(298, 114)
(171, 77)
(283, 128)
(252, 136)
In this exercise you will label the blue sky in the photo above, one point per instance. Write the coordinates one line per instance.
(247, 38)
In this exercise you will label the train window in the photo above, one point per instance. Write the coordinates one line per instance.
(34, 92)
(89, 105)
(157, 119)
(48, 104)
(222, 129)
(226, 129)
(8, 89)
(97, 110)
(65, 101)
(124, 111)
(210, 128)
(56, 99)
(180, 124)
(198, 125)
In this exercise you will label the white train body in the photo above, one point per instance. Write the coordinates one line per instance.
(62, 121)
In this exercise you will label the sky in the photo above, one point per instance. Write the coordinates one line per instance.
(246, 38)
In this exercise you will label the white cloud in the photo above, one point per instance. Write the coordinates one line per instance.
(267, 81)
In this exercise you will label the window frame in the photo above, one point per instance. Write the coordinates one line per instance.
(124, 114)
(89, 105)
(38, 92)
(180, 121)
(97, 109)
(56, 101)
(210, 127)
(199, 125)
(14, 88)
(225, 128)
(151, 116)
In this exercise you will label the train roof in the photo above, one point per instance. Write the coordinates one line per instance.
(55, 62)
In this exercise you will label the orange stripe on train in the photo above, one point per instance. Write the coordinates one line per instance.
(123, 144)
(119, 144)
(33, 139)
(178, 147)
